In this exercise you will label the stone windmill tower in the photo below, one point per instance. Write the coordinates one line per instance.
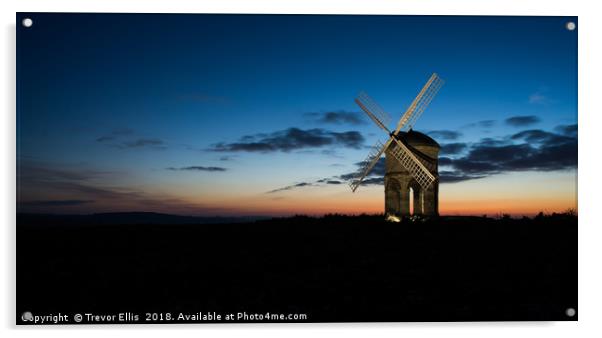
(411, 157)
(400, 184)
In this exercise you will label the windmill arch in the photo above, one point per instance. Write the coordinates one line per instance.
(416, 197)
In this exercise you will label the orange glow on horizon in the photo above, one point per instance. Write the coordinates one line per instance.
(515, 194)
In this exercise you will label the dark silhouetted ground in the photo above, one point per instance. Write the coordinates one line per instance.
(333, 268)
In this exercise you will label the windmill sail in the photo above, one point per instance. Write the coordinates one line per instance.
(422, 100)
(418, 167)
(373, 110)
(373, 156)
(428, 162)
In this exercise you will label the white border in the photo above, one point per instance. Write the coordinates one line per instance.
(590, 239)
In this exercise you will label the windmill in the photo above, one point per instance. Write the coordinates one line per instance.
(411, 157)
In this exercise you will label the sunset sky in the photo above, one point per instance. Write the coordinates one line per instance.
(254, 114)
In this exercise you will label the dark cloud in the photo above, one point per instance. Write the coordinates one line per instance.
(445, 134)
(197, 168)
(54, 203)
(541, 151)
(292, 139)
(522, 121)
(534, 135)
(486, 123)
(445, 161)
(540, 136)
(38, 177)
(569, 130)
(470, 166)
(337, 117)
(39, 173)
(318, 183)
(331, 152)
(374, 177)
(119, 139)
(533, 150)
(241, 146)
(115, 134)
(90, 191)
(379, 167)
(373, 181)
(482, 124)
(290, 187)
(328, 181)
(348, 176)
(453, 177)
(528, 150)
(143, 142)
(452, 148)
(105, 139)
(487, 141)
(122, 132)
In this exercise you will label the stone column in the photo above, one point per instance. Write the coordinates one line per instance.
(404, 182)
(431, 202)
(418, 200)
(392, 190)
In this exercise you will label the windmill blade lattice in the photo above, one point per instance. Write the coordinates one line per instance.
(373, 110)
(412, 164)
(418, 168)
(422, 100)
(373, 156)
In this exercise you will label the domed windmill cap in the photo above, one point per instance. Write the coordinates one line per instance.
(417, 138)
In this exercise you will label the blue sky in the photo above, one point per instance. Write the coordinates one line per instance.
(135, 100)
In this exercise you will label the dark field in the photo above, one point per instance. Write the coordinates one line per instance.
(334, 269)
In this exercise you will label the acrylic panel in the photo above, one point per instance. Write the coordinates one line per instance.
(207, 168)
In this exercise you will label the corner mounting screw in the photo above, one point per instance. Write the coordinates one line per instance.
(571, 26)
(27, 22)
